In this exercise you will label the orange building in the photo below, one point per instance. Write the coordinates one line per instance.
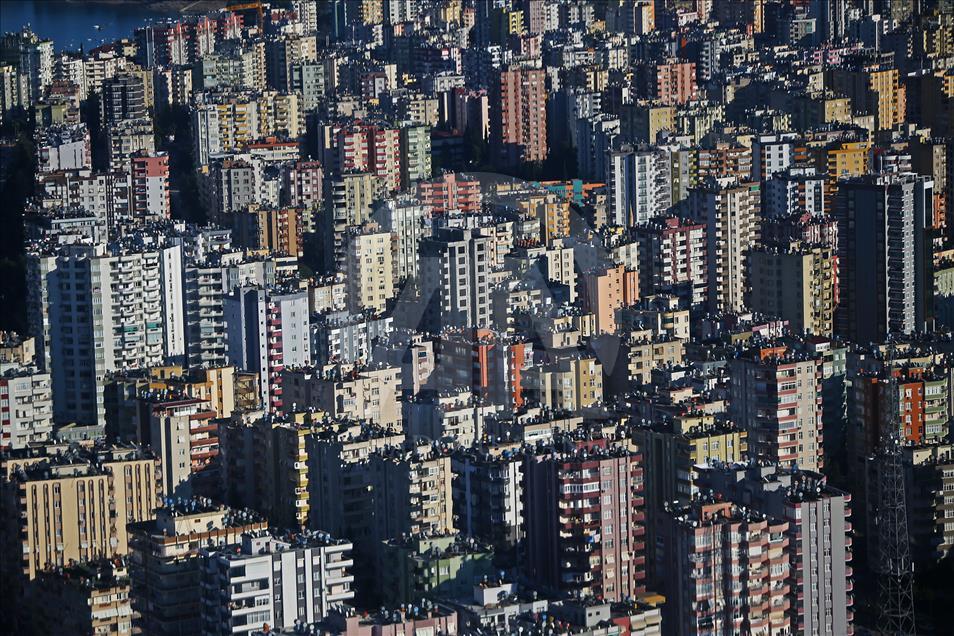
(606, 290)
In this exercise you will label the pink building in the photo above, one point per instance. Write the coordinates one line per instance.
(451, 191)
(428, 619)
(150, 184)
(585, 519)
(726, 571)
(606, 290)
(518, 116)
(304, 184)
(675, 82)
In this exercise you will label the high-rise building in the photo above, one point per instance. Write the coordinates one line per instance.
(64, 147)
(84, 598)
(594, 139)
(884, 256)
(406, 219)
(708, 592)
(28, 419)
(123, 96)
(72, 504)
(488, 495)
(776, 398)
(274, 581)
(454, 271)
(165, 561)
(818, 553)
(361, 393)
(638, 184)
(450, 192)
(673, 82)
(672, 451)
(151, 199)
(795, 284)
(98, 309)
(337, 488)
(207, 283)
(432, 566)
(605, 290)
(584, 511)
(793, 191)
(267, 330)
(672, 259)
(919, 391)
(415, 154)
(518, 116)
(183, 435)
(127, 137)
(32, 57)
(370, 269)
(730, 212)
(349, 203)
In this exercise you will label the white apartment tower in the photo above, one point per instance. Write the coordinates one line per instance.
(97, 309)
(267, 330)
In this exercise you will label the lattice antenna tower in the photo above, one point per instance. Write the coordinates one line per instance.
(894, 564)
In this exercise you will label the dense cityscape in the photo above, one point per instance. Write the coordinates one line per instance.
(479, 317)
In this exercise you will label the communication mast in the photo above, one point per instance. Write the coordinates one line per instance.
(894, 564)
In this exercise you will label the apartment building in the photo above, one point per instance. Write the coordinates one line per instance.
(72, 504)
(359, 392)
(267, 330)
(432, 567)
(275, 581)
(673, 258)
(885, 267)
(518, 116)
(796, 284)
(639, 184)
(264, 466)
(151, 198)
(28, 417)
(454, 270)
(706, 593)
(585, 519)
(369, 267)
(488, 494)
(85, 598)
(819, 536)
(165, 561)
(96, 309)
(730, 212)
(450, 192)
(776, 398)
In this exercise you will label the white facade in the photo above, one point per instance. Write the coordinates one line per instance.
(275, 582)
(27, 400)
(265, 332)
(638, 184)
(99, 310)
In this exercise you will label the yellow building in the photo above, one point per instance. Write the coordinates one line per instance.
(370, 269)
(645, 120)
(846, 159)
(796, 285)
(570, 384)
(73, 504)
(265, 467)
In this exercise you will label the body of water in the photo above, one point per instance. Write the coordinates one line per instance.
(72, 25)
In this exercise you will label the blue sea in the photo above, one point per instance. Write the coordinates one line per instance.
(73, 25)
